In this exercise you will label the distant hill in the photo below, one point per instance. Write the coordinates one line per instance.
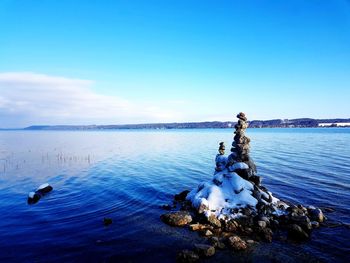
(277, 123)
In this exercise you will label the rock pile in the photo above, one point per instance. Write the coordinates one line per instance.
(241, 148)
(234, 211)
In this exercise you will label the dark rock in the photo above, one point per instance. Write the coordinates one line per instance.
(265, 219)
(33, 198)
(245, 221)
(236, 243)
(207, 233)
(266, 234)
(250, 241)
(231, 226)
(214, 241)
(241, 116)
(205, 250)
(197, 227)
(301, 220)
(187, 256)
(217, 231)
(181, 196)
(44, 189)
(217, 243)
(238, 191)
(247, 211)
(107, 221)
(255, 179)
(180, 218)
(214, 221)
(274, 224)
(292, 209)
(297, 233)
(244, 173)
(248, 231)
(316, 215)
(315, 224)
(217, 182)
(261, 224)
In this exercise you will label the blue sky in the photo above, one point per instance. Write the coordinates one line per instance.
(106, 62)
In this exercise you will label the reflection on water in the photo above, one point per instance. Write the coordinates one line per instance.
(127, 175)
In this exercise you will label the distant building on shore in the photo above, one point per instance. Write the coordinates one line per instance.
(334, 124)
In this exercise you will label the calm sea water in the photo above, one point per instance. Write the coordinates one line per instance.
(127, 175)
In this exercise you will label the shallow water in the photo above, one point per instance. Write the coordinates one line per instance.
(127, 175)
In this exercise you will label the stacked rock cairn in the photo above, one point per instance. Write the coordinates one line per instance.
(254, 224)
(239, 152)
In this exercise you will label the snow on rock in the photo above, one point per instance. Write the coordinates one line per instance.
(224, 193)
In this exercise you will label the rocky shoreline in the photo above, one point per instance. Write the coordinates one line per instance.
(234, 211)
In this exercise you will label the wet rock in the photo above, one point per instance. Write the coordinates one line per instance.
(236, 243)
(266, 234)
(302, 221)
(216, 231)
(248, 231)
(292, 209)
(261, 224)
(207, 233)
(265, 219)
(250, 241)
(315, 224)
(197, 227)
(204, 250)
(44, 189)
(33, 198)
(213, 241)
(297, 233)
(247, 211)
(255, 179)
(107, 221)
(217, 243)
(316, 215)
(214, 221)
(181, 196)
(179, 218)
(274, 224)
(187, 256)
(231, 226)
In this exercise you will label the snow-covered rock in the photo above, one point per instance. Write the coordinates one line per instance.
(226, 192)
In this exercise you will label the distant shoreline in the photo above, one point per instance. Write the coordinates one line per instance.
(276, 123)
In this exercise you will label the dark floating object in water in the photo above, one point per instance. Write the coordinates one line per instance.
(107, 221)
(44, 188)
(34, 197)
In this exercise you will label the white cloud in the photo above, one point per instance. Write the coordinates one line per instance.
(29, 98)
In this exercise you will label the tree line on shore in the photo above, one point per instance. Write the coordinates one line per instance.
(276, 123)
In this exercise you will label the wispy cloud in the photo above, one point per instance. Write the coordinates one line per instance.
(29, 98)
